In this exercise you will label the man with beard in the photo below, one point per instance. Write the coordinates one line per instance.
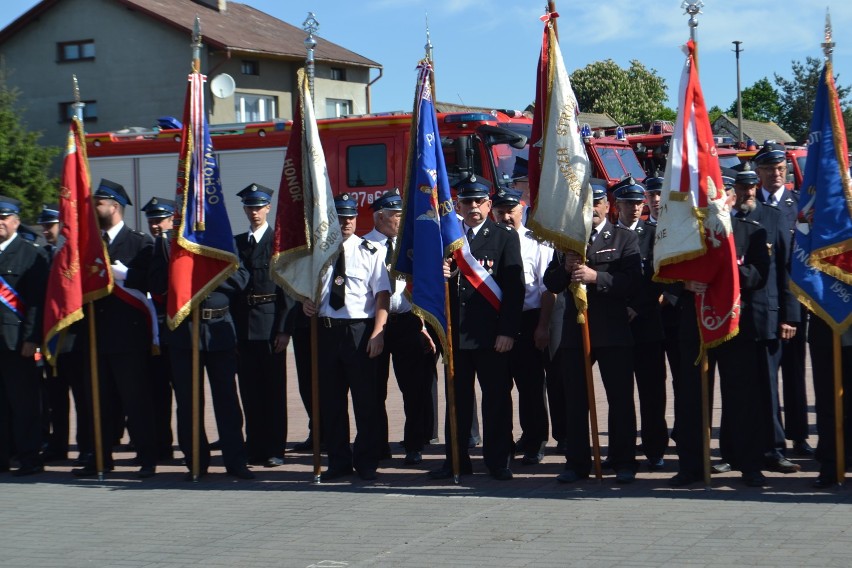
(612, 270)
(775, 311)
(124, 336)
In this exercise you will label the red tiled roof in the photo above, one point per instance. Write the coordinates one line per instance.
(239, 28)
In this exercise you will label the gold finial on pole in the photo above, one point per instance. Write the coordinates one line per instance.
(828, 44)
(77, 105)
(196, 45)
(693, 8)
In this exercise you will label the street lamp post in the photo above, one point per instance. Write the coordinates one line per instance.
(737, 50)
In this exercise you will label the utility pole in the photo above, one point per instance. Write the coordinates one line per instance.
(737, 50)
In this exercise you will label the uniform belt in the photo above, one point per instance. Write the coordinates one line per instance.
(336, 322)
(257, 299)
(211, 313)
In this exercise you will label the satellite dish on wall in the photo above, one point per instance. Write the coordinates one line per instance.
(222, 86)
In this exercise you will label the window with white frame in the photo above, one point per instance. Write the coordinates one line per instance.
(255, 108)
(337, 107)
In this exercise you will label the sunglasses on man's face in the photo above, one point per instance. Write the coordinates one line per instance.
(473, 200)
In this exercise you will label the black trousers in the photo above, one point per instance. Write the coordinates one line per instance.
(20, 410)
(344, 367)
(526, 364)
(686, 382)
(492, 369)
(769, 358)
(302, 353)
(742, 432)
(649, 367)
(822, 361)
(124, 376)
(794, 389)
(221, 369)
(555, 386)
(412, 365)
(263, 391)
(615, 364)
(71, 374)
(160, 370)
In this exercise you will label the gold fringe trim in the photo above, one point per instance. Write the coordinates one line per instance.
(838, 128)
(814, 306)
(436, 326)
(59, 329)
(199, 297)
(818, 256)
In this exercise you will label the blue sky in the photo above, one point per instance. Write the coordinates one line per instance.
(486, 50)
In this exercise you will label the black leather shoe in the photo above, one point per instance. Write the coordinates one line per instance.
(83, 459)
(824, 481)
(532, 458)
(332, 474)
(803, 449)
(656, 464)
(28, 470)
(146, 471)
(368, 474)
(413, 458)
(721, 467)
(625, 476)
(781, 465)
(89, 470)
(188, 475)
(754, 479)
(681, 479)
(446, 472)
(570, 476)
(50, 456)
(241, 472)
(504, 474)
(273, 462)
(306, 446)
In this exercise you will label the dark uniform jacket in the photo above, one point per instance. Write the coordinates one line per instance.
(216, 333)
(615, 256)
(788, 207)
(753, 259)
(647, 326)
(121, 327)
(261, 309)
(476, 324)
(774, 303)
(24, 267)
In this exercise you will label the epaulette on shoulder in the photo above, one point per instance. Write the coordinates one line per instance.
(747, 220)
(505, 226)
(369, 246)
(620, 228)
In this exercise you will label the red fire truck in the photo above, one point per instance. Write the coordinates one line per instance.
(366, 155)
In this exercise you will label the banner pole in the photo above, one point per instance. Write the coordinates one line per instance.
(705, 416)
(839, 438)
(96, 395)
(450, 385)
(315, 403)
(590, 393)
(196, 396)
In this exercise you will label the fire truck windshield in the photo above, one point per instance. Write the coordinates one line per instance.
(619, 162)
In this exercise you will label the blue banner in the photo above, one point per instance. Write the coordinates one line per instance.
(824, 225)
(430, 228)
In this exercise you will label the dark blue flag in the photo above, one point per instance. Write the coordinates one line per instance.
(822, 250)
(430, 227)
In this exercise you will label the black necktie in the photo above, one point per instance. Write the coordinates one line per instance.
(592, 236)
(469, 234)
(389, 253)
(338, 283)
(105, 237)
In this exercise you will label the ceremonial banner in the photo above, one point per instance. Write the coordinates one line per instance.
(203, 253)
(562, 208)
(307, 231)
(822, 250)
(79, 272)
(430, 229)
(694, 234)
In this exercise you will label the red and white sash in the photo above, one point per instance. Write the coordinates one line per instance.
(139, 301)
(478, 275)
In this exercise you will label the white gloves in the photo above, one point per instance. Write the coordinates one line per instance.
(119, 271)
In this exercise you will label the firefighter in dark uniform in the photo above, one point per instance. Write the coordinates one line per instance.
(217, 345)
(352, 313)
(526, 360)
(160, 213)
(775, 308)
(124, 333)
(406, 340)
(483, 335)
(23, 281)
(771, 162)
(259, 314)
(646, 323)
(612, 272)
(742, 432)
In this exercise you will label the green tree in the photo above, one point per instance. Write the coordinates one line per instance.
(24, 164)
(797, 96)
(713, 113)
(630, 96)
(760, 102)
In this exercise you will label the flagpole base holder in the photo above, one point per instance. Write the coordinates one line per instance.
(317, 480)
(100, 476)
(456, 479)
